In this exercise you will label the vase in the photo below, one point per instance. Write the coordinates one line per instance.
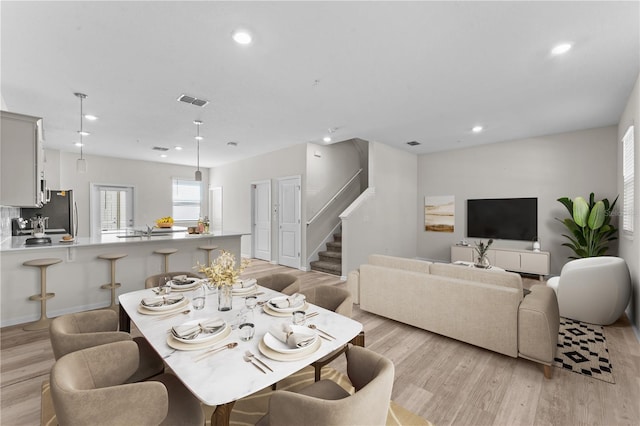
(225, 298)
(483, 262)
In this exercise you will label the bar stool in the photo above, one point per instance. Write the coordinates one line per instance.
(208, 249)
(166, 252)
(112, 257)
(43, 322)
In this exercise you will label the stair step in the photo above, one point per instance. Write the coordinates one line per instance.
(331, 256)
(337, 238)
(328, 267)
(334, 246)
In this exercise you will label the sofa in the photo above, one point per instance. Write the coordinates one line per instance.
(485, 308)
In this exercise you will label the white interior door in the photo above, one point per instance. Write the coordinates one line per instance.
(289, 222)
(261, 220)
(111, 208)
(215, 214)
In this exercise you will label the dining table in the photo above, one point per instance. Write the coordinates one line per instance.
(221, 377)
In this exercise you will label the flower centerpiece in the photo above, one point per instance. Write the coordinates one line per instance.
(222, 273)
(482, 249)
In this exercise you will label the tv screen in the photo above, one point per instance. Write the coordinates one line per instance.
(503, 218)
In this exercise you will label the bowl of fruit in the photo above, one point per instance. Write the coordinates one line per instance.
(164, 222)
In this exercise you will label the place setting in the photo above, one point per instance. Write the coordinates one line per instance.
(289, 342)
(184, 283)
(284, 306)
(198, 334)
(162, 305)
(244, 287)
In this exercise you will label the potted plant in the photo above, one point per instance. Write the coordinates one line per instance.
(590, 226)
(482, 248)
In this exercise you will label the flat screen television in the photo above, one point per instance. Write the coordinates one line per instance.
(503, 218)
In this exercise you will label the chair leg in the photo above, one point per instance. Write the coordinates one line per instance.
(318, 372)
(548, 371)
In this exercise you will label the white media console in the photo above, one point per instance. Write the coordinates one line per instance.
(525, 261)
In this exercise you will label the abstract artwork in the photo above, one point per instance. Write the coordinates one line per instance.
(439, 213)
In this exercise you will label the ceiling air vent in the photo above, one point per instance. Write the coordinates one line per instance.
(193, 101)
(160, 148)
(413, 143)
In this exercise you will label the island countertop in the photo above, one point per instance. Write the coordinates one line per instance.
(18, 243)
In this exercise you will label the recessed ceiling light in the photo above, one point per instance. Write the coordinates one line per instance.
(327, 139)
(163, 155)
(177, 148)
(561, 49)
(78, 144)
(90, 117)
(83, 133)
(199, 138)
(477, 129)
(241, 36)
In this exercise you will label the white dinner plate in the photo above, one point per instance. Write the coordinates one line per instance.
(278, 356)
(267, 309)
(174, 308)
(279, 346)
(284, 310)
(191, 283)
(175, 344)
(171, 302)
(244, 290)
(202, 337)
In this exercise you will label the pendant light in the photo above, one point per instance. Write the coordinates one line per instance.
(81, 163)
(198, 139)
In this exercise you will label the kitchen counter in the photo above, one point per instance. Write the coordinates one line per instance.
(77, 279)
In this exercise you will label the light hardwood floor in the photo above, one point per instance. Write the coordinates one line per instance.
(440, 379)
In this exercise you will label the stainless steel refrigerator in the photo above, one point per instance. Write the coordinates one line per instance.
(61, 211)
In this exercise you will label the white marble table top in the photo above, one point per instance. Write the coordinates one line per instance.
(225, 377)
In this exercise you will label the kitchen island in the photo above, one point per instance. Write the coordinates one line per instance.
(77, 279)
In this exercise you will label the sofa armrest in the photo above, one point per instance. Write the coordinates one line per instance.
(353, 285)
(538, 325)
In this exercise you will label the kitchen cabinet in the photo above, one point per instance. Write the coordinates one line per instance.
(22, 183)
(526, 261)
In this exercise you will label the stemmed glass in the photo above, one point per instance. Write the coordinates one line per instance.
(251, 302)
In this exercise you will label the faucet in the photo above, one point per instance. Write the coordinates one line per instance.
(149, 230)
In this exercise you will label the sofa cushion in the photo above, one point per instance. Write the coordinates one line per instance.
(501, 278)
(405, 264)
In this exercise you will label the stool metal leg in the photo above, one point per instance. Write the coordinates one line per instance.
(43, 322)
(113, 285)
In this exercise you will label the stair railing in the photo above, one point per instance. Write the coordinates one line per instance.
(328, 203)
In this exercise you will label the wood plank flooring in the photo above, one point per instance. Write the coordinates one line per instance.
(440, 379)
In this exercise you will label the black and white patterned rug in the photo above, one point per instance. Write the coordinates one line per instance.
(582, 348)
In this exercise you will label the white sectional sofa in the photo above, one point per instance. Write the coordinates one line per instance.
(480, 307)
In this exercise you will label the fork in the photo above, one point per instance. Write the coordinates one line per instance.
(250, 360)
(251, 355)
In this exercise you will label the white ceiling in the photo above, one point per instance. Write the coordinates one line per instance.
(390, 72)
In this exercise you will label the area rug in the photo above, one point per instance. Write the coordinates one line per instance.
(249, 410)
(582, 348)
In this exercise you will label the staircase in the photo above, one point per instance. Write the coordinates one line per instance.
(330, 260)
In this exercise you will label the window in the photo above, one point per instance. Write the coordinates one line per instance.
(187, 196)
(111, 208)
(627, 181)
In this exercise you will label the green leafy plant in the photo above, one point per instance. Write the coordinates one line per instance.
(589, 224)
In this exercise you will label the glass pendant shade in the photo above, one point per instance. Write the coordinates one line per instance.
(81, 165)
(198, 176)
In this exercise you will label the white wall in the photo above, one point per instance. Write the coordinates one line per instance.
(151, 181)
(547, 167)
(629, 247)
(235, 180)
(385, 220)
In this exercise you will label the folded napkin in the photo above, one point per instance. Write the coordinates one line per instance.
(244, 283)
(162, 300)
(295, 299)
(284, 332)
(185, 330)
(185, 281)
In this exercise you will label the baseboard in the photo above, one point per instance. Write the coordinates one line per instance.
(52, 314)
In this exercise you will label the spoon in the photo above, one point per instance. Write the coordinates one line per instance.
(313, 327)
(216, 350)
(250, 360)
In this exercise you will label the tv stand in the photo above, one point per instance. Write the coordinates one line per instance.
(525, 261)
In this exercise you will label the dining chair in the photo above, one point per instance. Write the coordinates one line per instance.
(327, 403)
(88, 387)
(334, 299)
(73, 332)
(156, 280)
(284, 283)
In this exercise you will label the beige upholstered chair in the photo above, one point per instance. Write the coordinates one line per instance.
(326, 403)
(334, 299)
(156, 280)
(73, 332)
(87, 389)
(284, 283)
(594, 289)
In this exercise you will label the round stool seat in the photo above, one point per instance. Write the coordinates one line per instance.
(208, 247)
(166, 251)
(112, 256)
(42, 262)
